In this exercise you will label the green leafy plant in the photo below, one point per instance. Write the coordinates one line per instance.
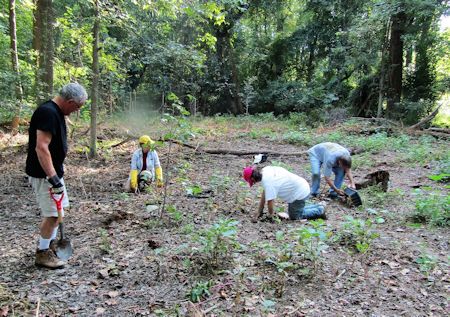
(432, 207)
(105, 243)
(200, 291)
(427, 263)
(218, 241)
(442, 177)
(311, 241)
(174, 213)
(193, 190)
(357, 233)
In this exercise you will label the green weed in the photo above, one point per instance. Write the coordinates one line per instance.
(311, 241)
(218, 241)
(427, 263)
(298, 138)
(174, 214)
(432, 207)
(105, 243)
(121, 196)
(375, 197)
(357, 233)
(200, 291)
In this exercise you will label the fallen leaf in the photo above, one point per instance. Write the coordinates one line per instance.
(100, 311)
(4, 311)
(113, 294)
(405, 271)
(111, 302)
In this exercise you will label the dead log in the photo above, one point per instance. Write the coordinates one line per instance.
(375, 178)
(425, 120)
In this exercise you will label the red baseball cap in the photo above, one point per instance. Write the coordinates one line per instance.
(247, 175)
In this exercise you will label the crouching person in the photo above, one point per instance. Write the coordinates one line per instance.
(277, 182)
(145, 166)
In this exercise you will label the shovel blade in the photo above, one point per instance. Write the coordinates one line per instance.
(64, 249)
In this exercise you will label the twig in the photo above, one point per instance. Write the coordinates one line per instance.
(210, 308)
(123, 141)
(37, 307)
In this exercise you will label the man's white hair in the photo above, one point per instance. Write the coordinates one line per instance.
(73, 91)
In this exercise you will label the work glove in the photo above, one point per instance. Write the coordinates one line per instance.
(57, 186)
(159, 177)
(133, 179)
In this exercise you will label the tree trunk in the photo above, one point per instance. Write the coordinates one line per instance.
(382, 79)
(43, 42)
(95, 80)
(15, 64)
(394, 90)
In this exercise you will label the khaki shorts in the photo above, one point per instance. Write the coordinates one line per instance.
(46, 203)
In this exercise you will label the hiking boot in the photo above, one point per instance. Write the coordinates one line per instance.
(47, 258)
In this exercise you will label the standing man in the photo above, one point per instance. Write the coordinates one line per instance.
(291, 188)
(47, 149)
(336, 159)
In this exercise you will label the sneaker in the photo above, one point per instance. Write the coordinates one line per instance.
(47, 258)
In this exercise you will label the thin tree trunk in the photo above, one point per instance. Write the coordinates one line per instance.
(382, 72)
(43, 43)
(15, 64)
(95, 80)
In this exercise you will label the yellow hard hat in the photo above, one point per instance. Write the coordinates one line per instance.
(145, 140)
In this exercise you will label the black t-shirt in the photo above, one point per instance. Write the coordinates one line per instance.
(47, 117)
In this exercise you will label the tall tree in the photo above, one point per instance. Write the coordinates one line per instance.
(43, 43)
(395, 69)
(95, 80)
(15, 63)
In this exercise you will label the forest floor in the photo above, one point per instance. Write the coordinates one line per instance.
(130, 261)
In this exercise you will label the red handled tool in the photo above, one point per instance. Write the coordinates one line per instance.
(63, 246)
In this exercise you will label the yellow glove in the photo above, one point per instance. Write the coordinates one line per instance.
(133, 179)
(159, 176)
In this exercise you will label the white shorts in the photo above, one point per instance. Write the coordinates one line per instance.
(46, 203)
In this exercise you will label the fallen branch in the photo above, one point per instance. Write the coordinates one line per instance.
(124, 141)
(425, 120)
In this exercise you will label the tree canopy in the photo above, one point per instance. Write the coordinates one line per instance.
(366, 58)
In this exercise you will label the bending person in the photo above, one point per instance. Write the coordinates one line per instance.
(335, 159)
(277, 182)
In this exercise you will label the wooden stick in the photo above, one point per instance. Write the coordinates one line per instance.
(425, 120)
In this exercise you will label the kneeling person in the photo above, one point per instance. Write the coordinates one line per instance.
(144, 166)
(278, 182)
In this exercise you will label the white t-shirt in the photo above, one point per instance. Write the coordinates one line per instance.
(280, 183)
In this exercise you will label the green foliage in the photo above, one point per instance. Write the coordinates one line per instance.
(105, 243)
(375, 197)
(443, 177)
(200, 291)
(218, 241)
(193, 190)
(298, 251)
(426, 262)
(174, 214)
(311, 241)
(432, 207)
(425, 151)
(357, 233)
